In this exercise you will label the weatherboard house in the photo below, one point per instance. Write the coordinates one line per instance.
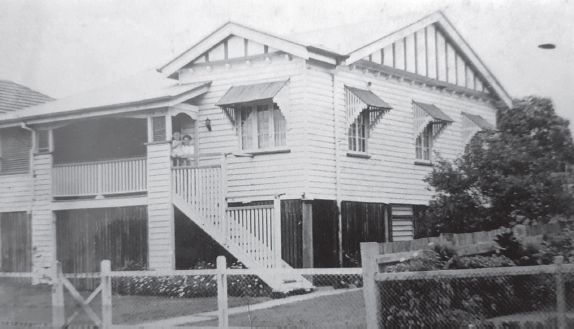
(305, 146)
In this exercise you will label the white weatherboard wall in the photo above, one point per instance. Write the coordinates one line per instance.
(15, 192)
(321, 135)
(160, 210)
(43, 225)
(390, 175)
(263, 175)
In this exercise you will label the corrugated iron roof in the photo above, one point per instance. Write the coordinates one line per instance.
(479, 121)
(346, 39)
(369, 98)
(434, 112)
(15, 97)
(251, 93)
(144, 87)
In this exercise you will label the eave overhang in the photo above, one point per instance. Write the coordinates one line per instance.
(16, 119)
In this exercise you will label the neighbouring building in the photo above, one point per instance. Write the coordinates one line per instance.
(15, 179)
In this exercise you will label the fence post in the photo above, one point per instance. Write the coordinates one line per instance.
(560, 295)
(222, 197)
(106, 283)
(222, 304)
(58, 311)
(277, 231)
(369, 253)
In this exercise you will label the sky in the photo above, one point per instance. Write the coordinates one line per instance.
(61, 48)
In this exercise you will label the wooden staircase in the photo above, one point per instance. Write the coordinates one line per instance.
(251, 234)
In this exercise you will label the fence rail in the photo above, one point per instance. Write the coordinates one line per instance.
(221, 284)
(99, 178)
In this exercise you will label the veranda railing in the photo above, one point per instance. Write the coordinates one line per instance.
(99, 178)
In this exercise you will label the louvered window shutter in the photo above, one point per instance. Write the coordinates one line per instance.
(16, 144)
(43, 141)
(158, 126)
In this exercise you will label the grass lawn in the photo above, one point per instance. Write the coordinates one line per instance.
(336, 311)
(23, 302)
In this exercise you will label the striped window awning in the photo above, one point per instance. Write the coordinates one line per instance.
(238, 96)
(359, 100)
(472, 124)
(429, 113)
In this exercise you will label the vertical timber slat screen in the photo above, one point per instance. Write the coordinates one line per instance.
(362, 222)
(15, 242)
(86, 237)
(292, 232)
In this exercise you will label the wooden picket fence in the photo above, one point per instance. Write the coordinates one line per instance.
(466, 239)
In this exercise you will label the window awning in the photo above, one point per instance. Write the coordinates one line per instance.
(359, 100)
(479, 121)
(250, 93)
(438, 115)
(429, 114)
(238, 96)
(472, 124)
(372, 101)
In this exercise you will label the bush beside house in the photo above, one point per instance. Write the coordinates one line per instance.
(446, 302)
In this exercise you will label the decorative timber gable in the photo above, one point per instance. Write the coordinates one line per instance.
(429, 53)
(233, 47)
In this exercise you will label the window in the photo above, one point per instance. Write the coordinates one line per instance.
(358, 133)
(158, 129)
(15, 145)
(262, 126)
(429, 122)
(43, 142)
(364, 110)
(423, 144)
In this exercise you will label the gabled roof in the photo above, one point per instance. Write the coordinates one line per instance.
(146, 87)
(360, 40)
(347, 43)
(14, 97)
(349, 38)
(224, 32)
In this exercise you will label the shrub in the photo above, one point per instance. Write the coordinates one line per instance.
(446, 302)
(192, 286)
(512, 248)
(560, 244)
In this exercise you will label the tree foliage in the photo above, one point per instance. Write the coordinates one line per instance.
(512, 175)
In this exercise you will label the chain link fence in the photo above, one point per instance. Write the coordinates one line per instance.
(513, 297)
(190, 298)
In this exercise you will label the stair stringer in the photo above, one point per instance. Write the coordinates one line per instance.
(284, 283)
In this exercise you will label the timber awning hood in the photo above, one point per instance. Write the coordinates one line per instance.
(370, 100)
(479, 121)
(251, 93)
(237, 96)
(434, 112)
